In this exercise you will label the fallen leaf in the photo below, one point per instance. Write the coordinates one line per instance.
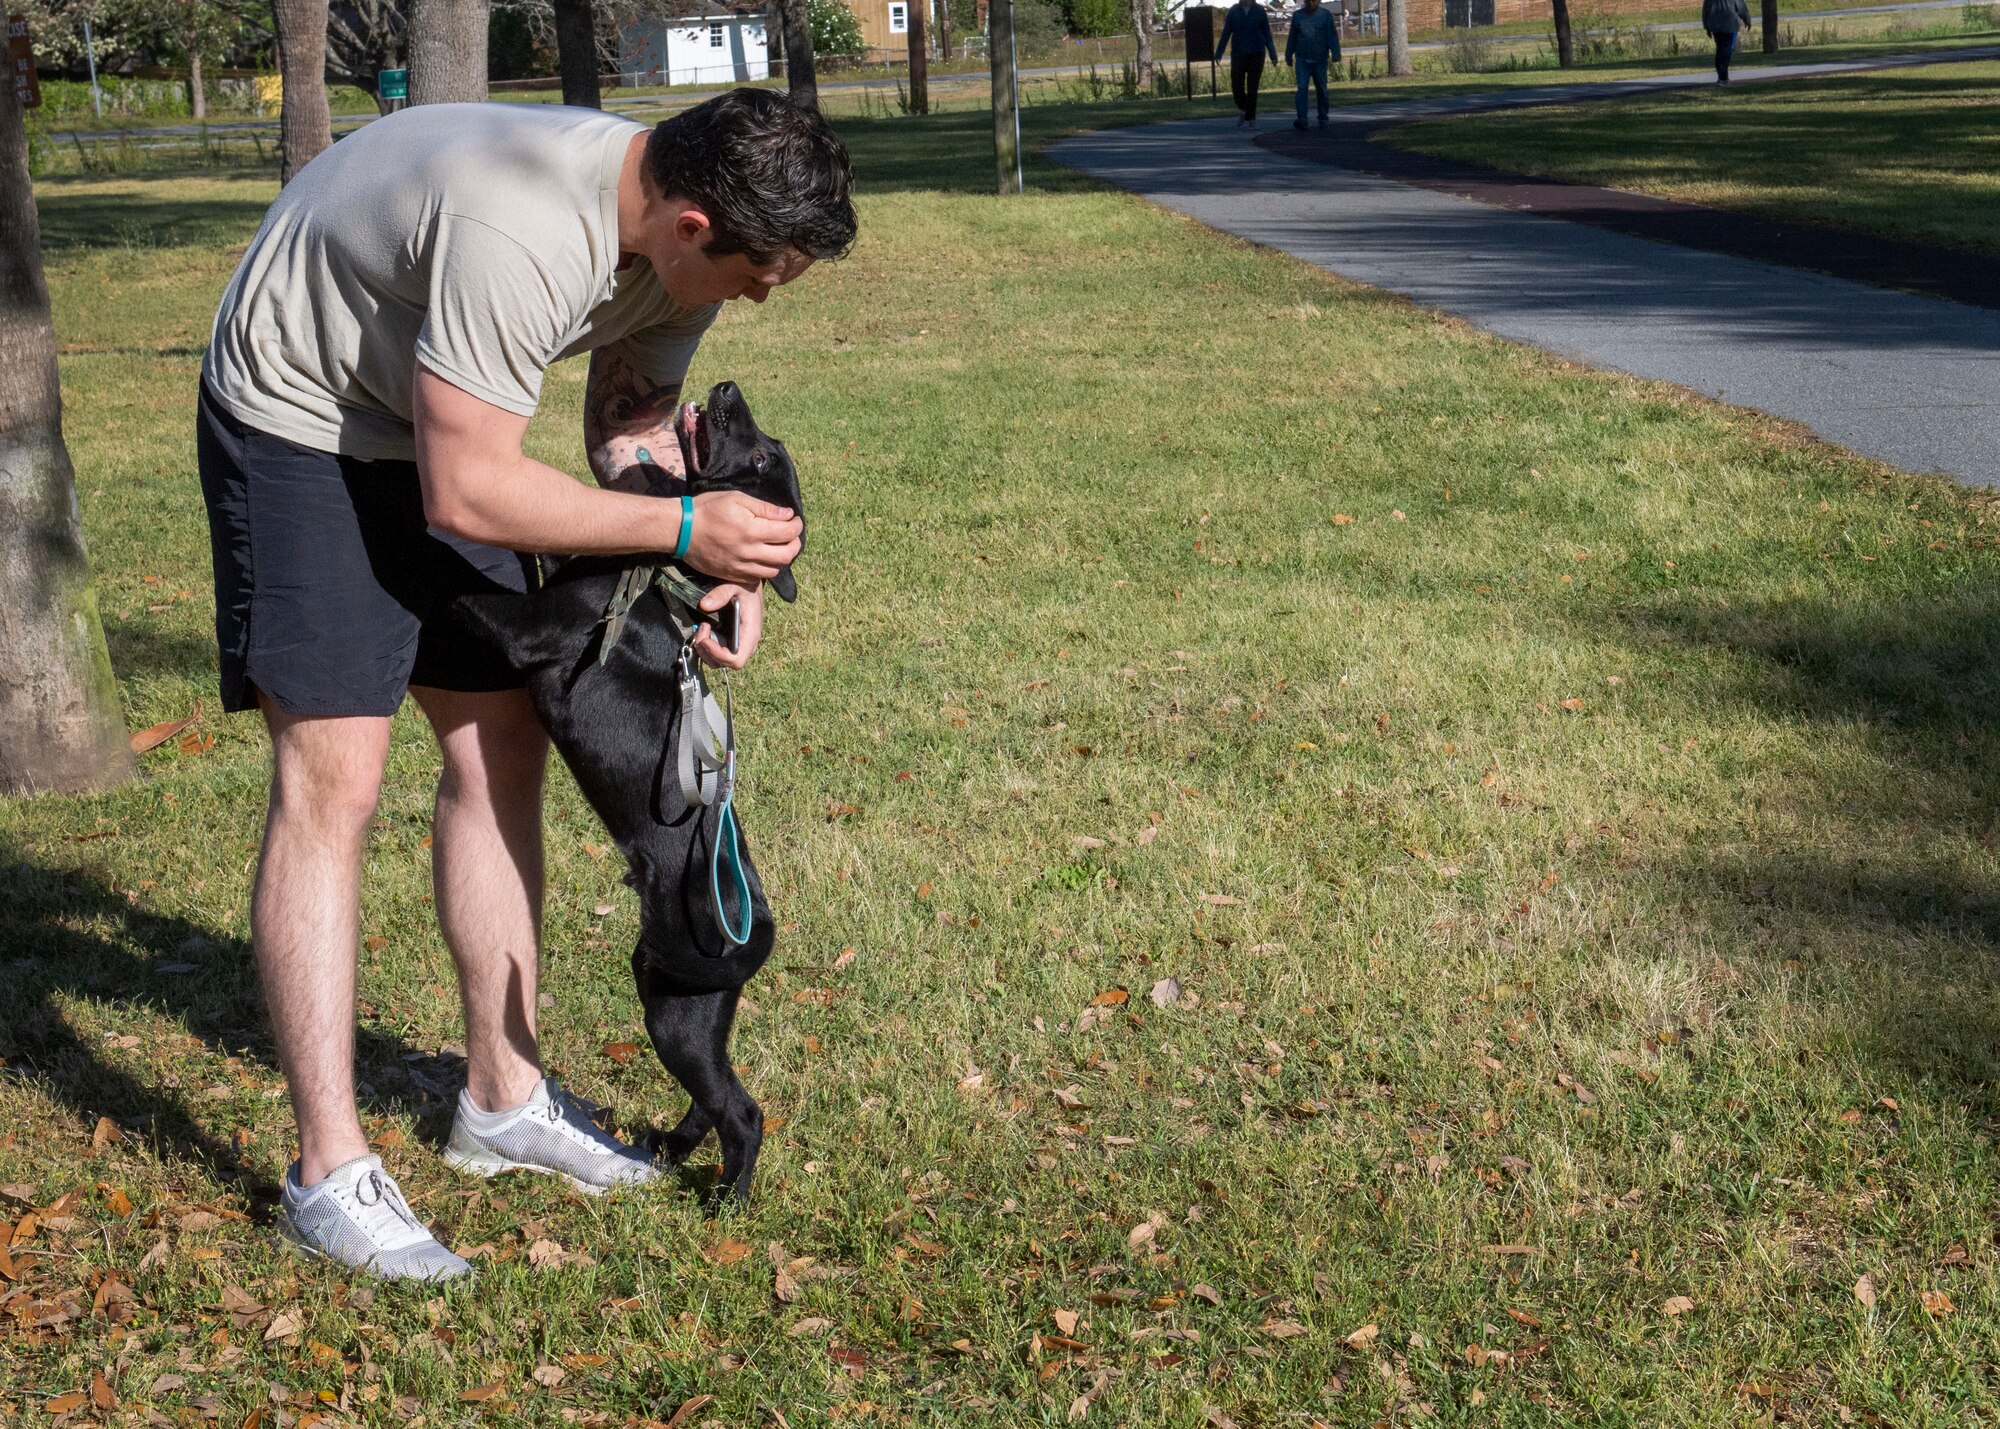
(1512, 1249)
(1146, 835)
(1065, 1321)
(811, 1325)
(581, 1362)
(283, 1326)
(1572, 703)
(546, 1254)
(1206, 1292)
(104, 1133)
(153, 736)
(63, 1403)
(621, 1052)
(484, 1391)
(1221, 900)
(374, 942)
(100, 1391)
(1677, 1305)
(117, 1202)
(1283, 1329)
(1864, 1290)
(1937, 1303)
(1166, 992)
(548, 1375)
(1111, 997)
(602, 910)
(728, 1252)
(1362, 1338)
(1523, 1317)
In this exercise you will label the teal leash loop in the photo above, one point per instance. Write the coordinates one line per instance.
(728, 847)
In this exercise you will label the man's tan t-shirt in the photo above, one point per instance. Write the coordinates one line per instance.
(479, 238)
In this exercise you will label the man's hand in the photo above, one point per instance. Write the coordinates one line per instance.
(742, 539)
(749, 625)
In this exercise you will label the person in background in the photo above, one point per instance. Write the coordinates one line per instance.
(1250, 28)
(1313, 44)
(1724, 20)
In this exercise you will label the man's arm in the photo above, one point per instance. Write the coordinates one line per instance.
(478, 484)
(1269, 45)
(625, 413)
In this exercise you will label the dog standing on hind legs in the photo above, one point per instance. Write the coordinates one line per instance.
(612, 691)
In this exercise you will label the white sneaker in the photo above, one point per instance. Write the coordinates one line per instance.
(356, 1216)
(552, 1132)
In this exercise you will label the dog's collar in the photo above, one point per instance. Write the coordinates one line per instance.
(682, 595)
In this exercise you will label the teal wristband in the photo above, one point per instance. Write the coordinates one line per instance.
(687, 527)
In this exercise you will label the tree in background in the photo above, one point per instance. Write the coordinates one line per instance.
(1398, 22)
(795, 26)
(1090, 19)
(1565, 45)
(193, 30)
(836, 33)
(1769, 22)
(576, 53)
(305, 128)
(1142, 32)
(61, 728)
(448, 51)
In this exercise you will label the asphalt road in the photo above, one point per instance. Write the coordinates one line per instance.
(1911, 380)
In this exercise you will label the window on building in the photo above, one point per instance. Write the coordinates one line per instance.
(715, 37)
(899, 19)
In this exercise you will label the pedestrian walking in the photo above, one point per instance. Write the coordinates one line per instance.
(1724, 20)
(1313, 44)
(1250, 28)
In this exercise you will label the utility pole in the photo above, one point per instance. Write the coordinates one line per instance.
(1006, 97)
(920, 57)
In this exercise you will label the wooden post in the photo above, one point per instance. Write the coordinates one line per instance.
(1770, 26)
(1006, 97)
(920, 55)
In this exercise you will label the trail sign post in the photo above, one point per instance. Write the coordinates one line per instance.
(21, 54)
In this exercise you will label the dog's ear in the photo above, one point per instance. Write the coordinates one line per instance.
(786, 587)
(521, 627)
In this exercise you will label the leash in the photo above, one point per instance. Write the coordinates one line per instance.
(705, 761)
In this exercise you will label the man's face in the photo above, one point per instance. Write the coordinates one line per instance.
(678, 251)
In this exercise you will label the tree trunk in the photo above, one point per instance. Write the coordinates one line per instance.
(800, 83)
(1565, 46)
(576, 53)
(944, 31)
(1398, 19)
(448, 52)
(197, 94)
(1142, 35)
(920, 56)
(61, 728)
(1000, 53)
(304, 125)
(1769, 23)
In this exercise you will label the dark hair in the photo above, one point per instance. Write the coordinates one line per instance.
(769, 174)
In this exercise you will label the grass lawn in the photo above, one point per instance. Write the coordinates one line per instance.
(1911, 153)
(1567, 806)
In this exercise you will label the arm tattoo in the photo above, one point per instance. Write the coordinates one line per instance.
(624, 413)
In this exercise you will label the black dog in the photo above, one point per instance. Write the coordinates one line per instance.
(616, 724)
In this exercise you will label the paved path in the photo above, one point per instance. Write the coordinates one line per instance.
(1914, 381)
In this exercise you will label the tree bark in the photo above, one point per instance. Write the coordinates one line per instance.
(1006, 94)
(61, 727)
(1565, 45)
(1142, 35)
(305, 127)
(800, 83)
(576, 53)
(197, 95)
(920, 56)
(944, 31)
(1398, 21)
(448, 51)
(1769, 23)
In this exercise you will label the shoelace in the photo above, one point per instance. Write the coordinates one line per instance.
(562, 1100)
(386, 1194)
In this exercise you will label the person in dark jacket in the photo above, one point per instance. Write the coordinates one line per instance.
(1250, 28)
(1312, 45)
(1724, 19)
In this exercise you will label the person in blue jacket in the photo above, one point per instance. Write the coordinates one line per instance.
(1250, 28)
(1313, 44)
(1724, 20)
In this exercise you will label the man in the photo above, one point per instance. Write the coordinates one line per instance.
(1250, 28)
(1313, 44)
(1725, 20)
(373, 367)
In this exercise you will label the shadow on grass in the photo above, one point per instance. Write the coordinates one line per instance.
(75, 936)
(73, 221)
(139, 649)
(1914, 683)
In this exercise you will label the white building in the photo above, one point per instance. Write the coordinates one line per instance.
(709, 42)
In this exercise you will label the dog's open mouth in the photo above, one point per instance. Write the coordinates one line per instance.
(692, 428)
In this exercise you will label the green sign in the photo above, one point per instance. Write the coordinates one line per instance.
(393, 84)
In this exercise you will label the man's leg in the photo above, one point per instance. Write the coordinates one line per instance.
(1319, 79)
(305, 917)
(1303, 72)
(1254, 81)
(486, 867)
(1238, 71)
